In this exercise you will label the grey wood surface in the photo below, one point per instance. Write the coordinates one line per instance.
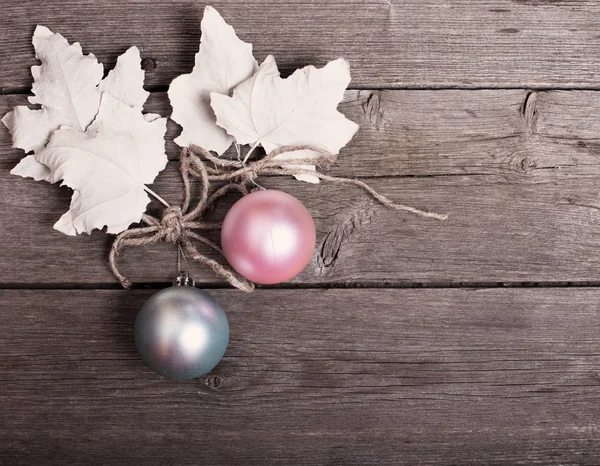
(400, 343)
(390, 43)
(519, 135)
(506, 376)
(516, 171)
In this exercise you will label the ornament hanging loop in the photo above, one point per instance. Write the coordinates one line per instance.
(184, 278)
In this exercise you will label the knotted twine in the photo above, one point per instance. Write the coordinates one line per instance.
(181, 225)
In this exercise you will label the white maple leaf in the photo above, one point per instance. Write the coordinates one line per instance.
(223, 62)
(108, 166)
(272, 112)
(68, 86)
(126, 81)
(29, 167)
(65, 85)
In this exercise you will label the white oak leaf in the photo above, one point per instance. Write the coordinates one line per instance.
(126, 81)
(223, 62)
(270, 111)
(65, 85)
(108, 167)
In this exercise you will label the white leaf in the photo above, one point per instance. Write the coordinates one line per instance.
(151, 116)
(57, 81)
(222, 63)
(108, 166)
(28, 125)
(301, 109)
(65, 85)
(126, 81)
(29, 167)
(301, 154)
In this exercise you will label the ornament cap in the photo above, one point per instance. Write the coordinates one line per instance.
(184, 280)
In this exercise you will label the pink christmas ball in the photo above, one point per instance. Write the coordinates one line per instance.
(268, 236)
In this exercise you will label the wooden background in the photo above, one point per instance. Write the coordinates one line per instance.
(405, 341)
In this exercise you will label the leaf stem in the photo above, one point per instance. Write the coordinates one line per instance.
(160, 199)
(256, 144)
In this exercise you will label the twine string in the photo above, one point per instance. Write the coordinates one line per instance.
(176, 226)
(240, 173)
(181, 224)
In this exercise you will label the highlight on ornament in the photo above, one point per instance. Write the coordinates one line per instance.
(91, 133)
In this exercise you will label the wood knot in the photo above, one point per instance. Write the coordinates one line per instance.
(373, 110)
(522, 163)
(173, 227)
(148, 64)
(213, 382)
(345, 226)
(529, 113)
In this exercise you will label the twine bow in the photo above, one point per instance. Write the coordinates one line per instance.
(180, 225)
(173, 226)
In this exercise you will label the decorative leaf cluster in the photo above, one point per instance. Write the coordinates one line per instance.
(264, 109)
(90, 133)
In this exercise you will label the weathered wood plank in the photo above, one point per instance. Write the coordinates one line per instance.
(497, 232)
(499, 376)
(521, 136)
(517, 175)
(422, 43)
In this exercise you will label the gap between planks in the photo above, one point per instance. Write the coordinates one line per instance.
(444, 87)
(310, 286)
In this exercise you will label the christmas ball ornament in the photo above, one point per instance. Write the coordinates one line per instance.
(268, 236)
(181, 332)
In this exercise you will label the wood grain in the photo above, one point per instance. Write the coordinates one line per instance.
(499, 376)
(389, 43)
(497, 232)
(516, 171)
(459, 113)
(521, 136)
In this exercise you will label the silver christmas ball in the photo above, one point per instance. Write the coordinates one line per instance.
(181, 332)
